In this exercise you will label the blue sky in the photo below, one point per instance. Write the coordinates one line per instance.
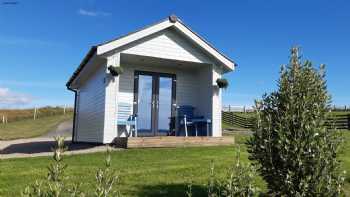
(42, 42)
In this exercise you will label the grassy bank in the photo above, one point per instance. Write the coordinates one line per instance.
(13, 115)
(30, 128)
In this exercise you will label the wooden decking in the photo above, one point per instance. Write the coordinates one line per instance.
(170, 141)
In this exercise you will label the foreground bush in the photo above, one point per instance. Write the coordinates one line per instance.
(240, 182)
(56, 184)
(295, 152)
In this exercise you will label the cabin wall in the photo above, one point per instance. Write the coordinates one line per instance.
(167, 44)
(91, 108)
(192, 86)
(204, 97)
(186, 85)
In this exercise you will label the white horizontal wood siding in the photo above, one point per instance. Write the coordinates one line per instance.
(167, 44)
(192, 87)
(187, 86)
(205, 91)
(91, 108)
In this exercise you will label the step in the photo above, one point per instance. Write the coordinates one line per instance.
(170, 141)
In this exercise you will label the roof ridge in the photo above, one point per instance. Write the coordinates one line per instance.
(138, 30)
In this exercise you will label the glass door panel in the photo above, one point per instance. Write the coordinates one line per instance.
(144, 107)
(154, 99)
(164, 105)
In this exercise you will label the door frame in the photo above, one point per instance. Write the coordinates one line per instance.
(155, 98)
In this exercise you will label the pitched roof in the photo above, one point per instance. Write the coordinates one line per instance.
(171, 21)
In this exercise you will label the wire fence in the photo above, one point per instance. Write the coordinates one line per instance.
(245, 120)
(340, 108)
(234, 108)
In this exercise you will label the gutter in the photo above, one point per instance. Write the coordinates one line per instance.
(74, 113)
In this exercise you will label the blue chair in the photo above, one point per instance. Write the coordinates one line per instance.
(186, 118)
(126, 118)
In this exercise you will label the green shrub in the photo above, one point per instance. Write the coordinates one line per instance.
(294, 151)
(106, 179)
(240, 181)
(56, 183)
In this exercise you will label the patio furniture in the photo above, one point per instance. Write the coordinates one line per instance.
(126, 118)
(186, 118)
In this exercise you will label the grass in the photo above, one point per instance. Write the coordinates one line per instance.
(30, 128)
(12, 115)
(340, 112)
(143, 172)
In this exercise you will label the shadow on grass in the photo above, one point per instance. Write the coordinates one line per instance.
(42, 147)
(170, 190)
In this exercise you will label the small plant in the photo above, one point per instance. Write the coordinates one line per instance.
(189, 189)
(56, 169)
(213, 187)
(239, 182)
(106, 179)
(115, 70)
(56, 186)
(222, 83)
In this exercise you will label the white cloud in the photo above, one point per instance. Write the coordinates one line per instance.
(9, 98)
(92, 13)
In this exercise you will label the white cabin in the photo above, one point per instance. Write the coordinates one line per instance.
(164, 67)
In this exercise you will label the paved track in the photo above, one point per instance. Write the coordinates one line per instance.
(41, 146)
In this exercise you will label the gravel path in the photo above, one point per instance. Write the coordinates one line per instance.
(63, 129)
(41, 146)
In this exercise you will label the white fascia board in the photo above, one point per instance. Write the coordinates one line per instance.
(82, 71)
(205, 46)
(159, 27)
(133, 37)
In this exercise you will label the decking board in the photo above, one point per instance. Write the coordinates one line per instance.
(167, 141)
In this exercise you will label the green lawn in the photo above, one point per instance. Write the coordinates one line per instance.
(30, 128)
(144, 172)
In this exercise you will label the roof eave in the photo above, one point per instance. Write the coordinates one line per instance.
(86, 59)
(106, 47)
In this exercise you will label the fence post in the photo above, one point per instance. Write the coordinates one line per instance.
(348, 121)
(233, 118)
(64, 110)
(3, 119)
(34, 117)
(229, 108)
